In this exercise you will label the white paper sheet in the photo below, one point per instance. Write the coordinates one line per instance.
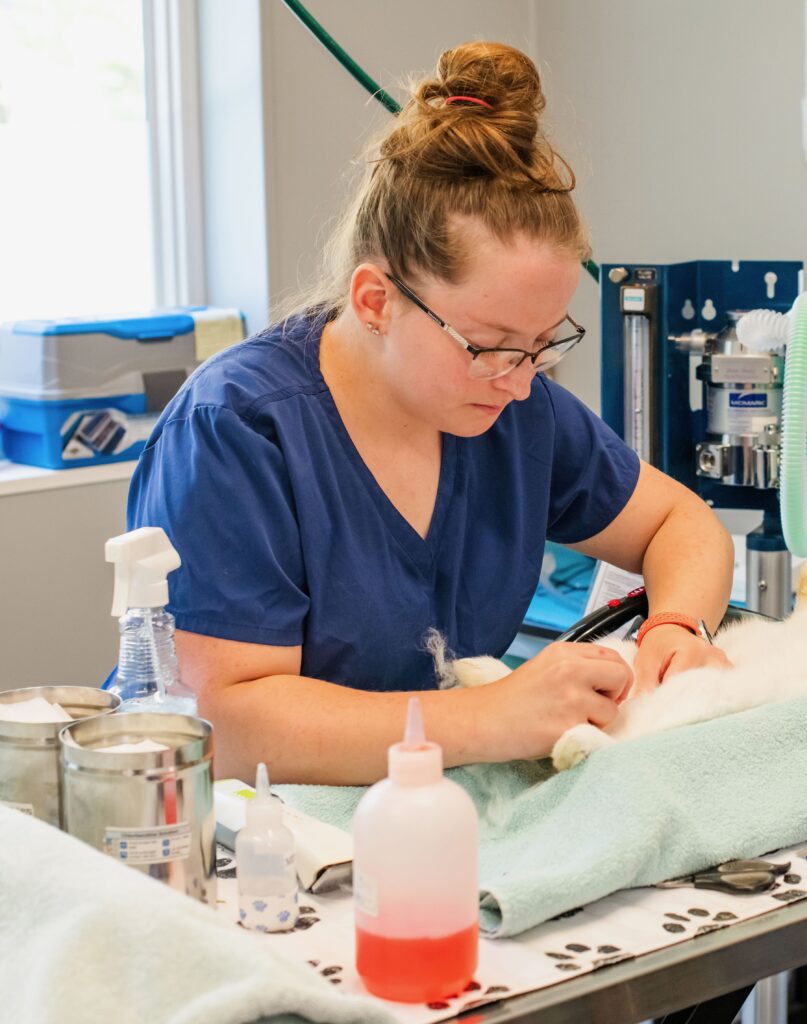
(37, 709)
(619, 927)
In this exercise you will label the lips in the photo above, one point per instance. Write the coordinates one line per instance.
(488, 408)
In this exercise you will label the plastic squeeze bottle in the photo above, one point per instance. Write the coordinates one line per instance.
(147, 676)
(415, 876)
(264, 864)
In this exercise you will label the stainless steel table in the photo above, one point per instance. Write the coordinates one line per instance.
(670, 979)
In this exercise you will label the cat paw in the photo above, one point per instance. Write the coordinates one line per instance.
(576, 744)
(479, 671)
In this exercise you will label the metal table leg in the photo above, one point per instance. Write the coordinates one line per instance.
(768, 1002)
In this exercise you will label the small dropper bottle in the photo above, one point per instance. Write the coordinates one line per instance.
(264, 860)
(415, 882)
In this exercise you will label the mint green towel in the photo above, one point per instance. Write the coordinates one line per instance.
(633, 814)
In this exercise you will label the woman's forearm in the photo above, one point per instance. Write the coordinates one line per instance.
(688, 564)
(309, 731)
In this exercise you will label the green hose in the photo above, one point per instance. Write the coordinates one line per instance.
(793, 468)
(364, 79)
(344, 58)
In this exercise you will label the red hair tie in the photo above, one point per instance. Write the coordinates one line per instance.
(470, 99)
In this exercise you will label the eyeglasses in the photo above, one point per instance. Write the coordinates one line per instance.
(488, 363)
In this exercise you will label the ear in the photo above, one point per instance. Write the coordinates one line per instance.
(370, 295)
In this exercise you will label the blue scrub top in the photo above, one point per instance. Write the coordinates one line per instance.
(286, 538)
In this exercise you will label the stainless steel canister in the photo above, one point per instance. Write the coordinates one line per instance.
(152, 810)
(30, 779)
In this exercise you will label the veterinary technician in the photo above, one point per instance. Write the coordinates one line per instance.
(392, 458)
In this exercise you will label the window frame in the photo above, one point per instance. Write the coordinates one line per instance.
(173, 112)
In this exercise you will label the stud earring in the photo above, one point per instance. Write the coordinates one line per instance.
(372, 328)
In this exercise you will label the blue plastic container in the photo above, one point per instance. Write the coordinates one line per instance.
(84, 392)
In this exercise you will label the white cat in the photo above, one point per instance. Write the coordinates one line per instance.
(769, 664)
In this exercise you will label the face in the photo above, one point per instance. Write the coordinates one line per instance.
(513, 295)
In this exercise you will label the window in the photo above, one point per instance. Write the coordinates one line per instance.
(84, 146)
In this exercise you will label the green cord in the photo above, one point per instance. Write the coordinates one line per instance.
(364, 79)
(344, 59)
(593, 269)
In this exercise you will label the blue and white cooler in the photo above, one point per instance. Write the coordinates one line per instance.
(82, 392)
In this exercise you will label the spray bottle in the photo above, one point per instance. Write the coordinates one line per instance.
(264, 857)
(415, 881)
(147, 676)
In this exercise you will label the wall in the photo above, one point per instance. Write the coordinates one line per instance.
(56, 593)
(319, 117)
(683, 122)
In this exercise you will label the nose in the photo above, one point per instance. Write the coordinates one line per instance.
(517, 383)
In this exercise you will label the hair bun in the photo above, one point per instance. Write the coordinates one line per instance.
(499, 137)
(504, 77)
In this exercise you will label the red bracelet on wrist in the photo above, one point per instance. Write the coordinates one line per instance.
(668, 619)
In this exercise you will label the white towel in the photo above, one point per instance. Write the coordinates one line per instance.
(85, 939)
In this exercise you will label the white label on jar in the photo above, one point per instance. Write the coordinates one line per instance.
(148, 845)
(365, 893)
(25, 808)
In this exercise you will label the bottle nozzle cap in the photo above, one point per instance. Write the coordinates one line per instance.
(262, 788)
(415, 762)
(264, 809)
(413, 733)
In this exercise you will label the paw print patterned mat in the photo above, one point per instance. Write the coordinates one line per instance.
(619, 927)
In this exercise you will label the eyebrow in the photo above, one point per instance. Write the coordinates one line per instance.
(513, 330)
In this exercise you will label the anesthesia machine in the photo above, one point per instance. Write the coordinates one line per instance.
(698, 393)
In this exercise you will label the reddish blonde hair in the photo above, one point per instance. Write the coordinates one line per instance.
(442, 161)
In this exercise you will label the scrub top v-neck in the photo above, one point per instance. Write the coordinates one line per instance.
(286, 537)
(421, 550)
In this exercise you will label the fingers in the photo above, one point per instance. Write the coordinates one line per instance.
(600, 668)
(609, 678)
(628, 691)
(602, 711)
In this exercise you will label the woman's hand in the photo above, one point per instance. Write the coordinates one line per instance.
(667, 650)
(564, 685)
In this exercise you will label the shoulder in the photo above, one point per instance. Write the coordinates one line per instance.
(265, 370)
(556, 398)
(571, 417)
(532, 425)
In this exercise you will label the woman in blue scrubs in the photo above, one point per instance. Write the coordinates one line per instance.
(392, 458)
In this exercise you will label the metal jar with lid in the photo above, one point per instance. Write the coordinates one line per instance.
(29, 751)
(151, 809)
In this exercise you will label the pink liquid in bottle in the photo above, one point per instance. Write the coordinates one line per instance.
(416, 892)
(417, 970)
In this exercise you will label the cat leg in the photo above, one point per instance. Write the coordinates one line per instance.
(577, 743)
